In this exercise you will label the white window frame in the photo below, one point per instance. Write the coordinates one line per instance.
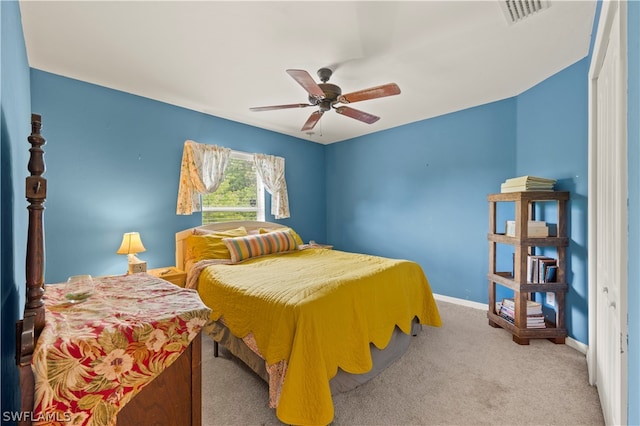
(259, 207)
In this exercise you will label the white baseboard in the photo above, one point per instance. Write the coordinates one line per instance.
(572, 343)
(577, 345)
(463, 302)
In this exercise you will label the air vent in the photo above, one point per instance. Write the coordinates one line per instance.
(517, 10)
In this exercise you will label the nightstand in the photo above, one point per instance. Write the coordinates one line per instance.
(171, 274)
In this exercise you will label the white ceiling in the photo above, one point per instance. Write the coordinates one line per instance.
(221, 58)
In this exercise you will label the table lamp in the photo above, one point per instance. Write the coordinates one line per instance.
(132, 244)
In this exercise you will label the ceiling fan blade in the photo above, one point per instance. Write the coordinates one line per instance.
(371, 93)
(365, 117)
(312, 120)
(307, 82)
(273, 107)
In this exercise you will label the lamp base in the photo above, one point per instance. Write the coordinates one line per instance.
(136, 265)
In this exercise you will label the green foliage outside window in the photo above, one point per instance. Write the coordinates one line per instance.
(212, 217)
(239, 189)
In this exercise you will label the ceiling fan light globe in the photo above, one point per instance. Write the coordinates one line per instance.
(325, 105)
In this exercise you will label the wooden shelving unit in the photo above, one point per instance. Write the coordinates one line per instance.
(523, 247)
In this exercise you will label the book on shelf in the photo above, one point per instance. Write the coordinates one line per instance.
(535, 228)
(537, 269)
(533, 307)
(535, 317)
(524, 188)
(529, 324)
(536, 322)
(538, 318)
(527, 183)
(529, 179)
(532, 267)
(508, 318)
(543, 265)
(551, 274)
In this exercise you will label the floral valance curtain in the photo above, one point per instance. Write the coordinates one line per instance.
(271, 171)
(201, 172)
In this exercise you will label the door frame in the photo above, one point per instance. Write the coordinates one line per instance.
(607, 15)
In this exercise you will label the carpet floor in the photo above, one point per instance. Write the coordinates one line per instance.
(463, 373)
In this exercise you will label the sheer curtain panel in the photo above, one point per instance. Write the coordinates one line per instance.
(201, 172)
(271, 171)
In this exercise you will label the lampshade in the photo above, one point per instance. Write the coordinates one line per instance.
(131, 244)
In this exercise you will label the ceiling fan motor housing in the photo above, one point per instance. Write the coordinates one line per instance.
(331, 93)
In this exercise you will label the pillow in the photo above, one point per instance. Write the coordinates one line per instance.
(201, 231)
(210, 246)
(243, 248)
(294, 233)
(205, 231)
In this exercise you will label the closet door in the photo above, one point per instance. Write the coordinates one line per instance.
(608, 215)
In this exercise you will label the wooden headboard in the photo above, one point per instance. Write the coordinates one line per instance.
(249, 225)
(29, 328)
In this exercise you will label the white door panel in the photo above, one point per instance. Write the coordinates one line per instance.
(608, 215)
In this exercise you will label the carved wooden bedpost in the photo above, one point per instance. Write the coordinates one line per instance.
(29, 329)
(36, 191)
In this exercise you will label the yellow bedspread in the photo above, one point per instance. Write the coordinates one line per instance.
(317, 309)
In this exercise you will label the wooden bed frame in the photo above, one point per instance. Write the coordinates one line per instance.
(156, 403)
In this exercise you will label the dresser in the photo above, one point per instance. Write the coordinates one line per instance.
(157, 403)
(128, 354)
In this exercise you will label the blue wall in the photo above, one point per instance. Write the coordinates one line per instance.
(633, 153)
(385, 187)
(15, 111)
(552, 141)
(419, 192)
(113, 163)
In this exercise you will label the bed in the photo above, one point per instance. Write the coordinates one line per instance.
(311, 321)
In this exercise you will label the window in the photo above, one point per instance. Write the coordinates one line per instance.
(239, 197)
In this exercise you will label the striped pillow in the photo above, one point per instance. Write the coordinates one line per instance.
(243, 248)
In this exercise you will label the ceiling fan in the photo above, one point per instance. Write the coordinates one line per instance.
(326, 95)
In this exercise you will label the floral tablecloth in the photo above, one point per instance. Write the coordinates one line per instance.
(93, 357)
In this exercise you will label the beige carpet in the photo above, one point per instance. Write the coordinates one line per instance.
(464, 373)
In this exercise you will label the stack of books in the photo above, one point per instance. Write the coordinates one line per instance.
(535, 317)
(527, 183)
(541, 269)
